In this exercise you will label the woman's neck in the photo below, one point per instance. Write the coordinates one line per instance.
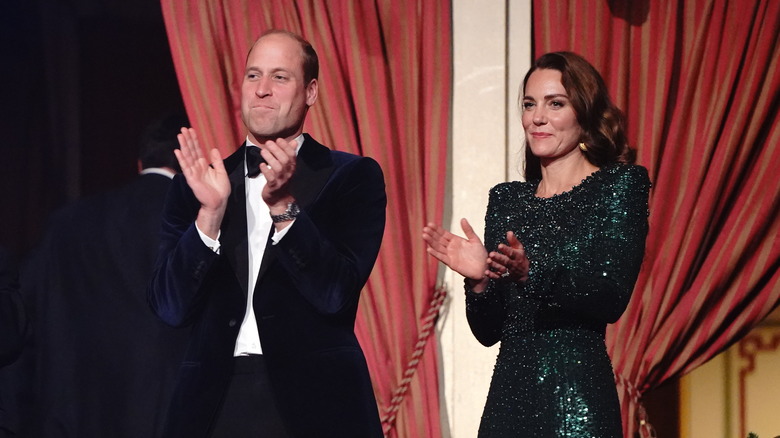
(559, 176)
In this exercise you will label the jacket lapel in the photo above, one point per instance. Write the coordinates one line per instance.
(234, 241)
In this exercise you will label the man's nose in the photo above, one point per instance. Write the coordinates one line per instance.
(263, 87)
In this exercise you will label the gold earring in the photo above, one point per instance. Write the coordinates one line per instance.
(583, 147)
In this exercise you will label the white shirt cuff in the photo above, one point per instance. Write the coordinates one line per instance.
(279, 234)
(208, 241)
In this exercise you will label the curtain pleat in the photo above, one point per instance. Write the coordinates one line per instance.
(700, 85)
(385, 78)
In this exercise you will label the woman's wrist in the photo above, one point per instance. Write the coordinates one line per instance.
(477, 285)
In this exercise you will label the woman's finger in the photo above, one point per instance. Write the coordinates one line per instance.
(468, 230)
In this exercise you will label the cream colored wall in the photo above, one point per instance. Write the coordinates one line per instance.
(737, 391)
(491, 52)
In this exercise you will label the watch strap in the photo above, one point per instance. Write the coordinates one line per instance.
(288, 215)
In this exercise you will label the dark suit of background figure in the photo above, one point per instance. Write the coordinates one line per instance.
(104, 363)
(305, 299)
(13, 333)
(13, 317)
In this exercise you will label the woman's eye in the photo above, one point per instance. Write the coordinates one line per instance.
(527, 105)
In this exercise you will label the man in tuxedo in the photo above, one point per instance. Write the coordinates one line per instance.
(103, 364)
(266, 261)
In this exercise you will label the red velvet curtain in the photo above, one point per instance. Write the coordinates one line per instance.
(385, 73)
(700, 84)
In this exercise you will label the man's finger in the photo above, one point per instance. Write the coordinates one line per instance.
(216, 160)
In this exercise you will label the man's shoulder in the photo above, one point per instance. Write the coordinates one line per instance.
(338, 157)
(143, 191)
(343, 157)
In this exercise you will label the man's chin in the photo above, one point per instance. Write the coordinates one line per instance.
(263, 135)
(263, 130)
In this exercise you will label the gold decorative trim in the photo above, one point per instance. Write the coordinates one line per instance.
(749, 347)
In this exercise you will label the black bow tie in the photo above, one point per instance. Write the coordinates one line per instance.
(253, 160)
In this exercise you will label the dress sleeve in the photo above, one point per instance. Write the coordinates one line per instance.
(598, 285)
(486, 311)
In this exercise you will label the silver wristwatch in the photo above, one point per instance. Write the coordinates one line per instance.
(288, 215)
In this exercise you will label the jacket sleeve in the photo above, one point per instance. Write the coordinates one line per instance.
(330, 249)
(175, 292)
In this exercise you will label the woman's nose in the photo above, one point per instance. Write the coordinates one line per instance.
(539, 118)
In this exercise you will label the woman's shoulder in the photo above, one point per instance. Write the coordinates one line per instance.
(627, 174)
(512, 188)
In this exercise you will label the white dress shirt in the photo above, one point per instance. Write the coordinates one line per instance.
(259, 225)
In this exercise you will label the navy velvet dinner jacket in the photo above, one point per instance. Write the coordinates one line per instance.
(305, 299)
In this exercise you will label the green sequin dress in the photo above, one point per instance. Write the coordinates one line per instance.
(553, 377)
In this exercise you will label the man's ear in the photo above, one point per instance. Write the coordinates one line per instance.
(312, 90)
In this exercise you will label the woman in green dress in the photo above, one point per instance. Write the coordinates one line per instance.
(561, 256)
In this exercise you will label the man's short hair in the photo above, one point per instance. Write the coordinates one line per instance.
(311, 63)
(158, 141)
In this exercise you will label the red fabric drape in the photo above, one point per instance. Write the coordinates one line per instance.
(384, 92)
(700, 84)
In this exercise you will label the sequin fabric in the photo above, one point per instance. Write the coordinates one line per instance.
(553, 377)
